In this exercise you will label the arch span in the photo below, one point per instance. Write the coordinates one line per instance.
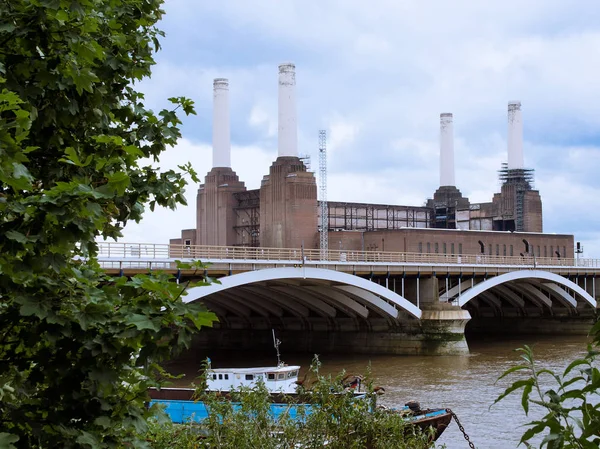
(524, 274)
(273, 274)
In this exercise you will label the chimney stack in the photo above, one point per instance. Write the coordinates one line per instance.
(287, 137)
(446, 150)
(515, 136)
(221, 136)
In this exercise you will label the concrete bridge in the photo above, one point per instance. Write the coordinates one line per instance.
(373, 302)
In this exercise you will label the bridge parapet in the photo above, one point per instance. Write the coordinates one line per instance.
(152, 255)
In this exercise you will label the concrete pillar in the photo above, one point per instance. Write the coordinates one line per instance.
(221, 128)
(515, 136)
(287, 136)
(446, 150)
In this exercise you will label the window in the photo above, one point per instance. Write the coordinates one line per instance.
(220, 377)
(545, 251)
(551, 251)
(421, 247)
(460, 248)
(444, 246)
(504, 250)
(188, 242)
(539, 251)
(490, 249)
(226, 376)
(437, 248)
(214, 377)
(497, 250)
(511, 250)
(249, 376)
(271, 376)
(428, 248)
(564, 251)
(452, 248)
(281, 376)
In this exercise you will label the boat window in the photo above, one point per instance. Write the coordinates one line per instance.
(249, 377)
(226, 376)
(281, 376)
(292, 374)
(271, 376)
(214, 377)
(220, 377)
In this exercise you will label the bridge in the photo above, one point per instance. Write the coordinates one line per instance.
(366, 301)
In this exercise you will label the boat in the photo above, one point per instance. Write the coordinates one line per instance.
(282, 383)
(288, 395)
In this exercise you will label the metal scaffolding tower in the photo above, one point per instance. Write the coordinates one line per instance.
(324, 241)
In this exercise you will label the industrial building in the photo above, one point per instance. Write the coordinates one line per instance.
(286, 213)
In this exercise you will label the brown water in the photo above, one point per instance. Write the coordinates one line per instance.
(466, 384)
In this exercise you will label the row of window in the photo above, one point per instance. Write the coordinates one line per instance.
(436, 247)
(270, 376)
(507, 250)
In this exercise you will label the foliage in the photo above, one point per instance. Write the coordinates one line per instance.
(572, 405)
(324, 415)
(79, 349)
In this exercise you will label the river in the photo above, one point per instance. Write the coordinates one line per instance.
(466, 384)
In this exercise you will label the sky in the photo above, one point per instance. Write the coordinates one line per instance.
(376, 75)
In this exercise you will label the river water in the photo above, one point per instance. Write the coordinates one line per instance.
(466, 384)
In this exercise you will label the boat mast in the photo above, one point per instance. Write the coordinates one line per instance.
(276, 343)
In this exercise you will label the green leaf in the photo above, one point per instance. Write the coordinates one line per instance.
(142, 322)
(119, 182)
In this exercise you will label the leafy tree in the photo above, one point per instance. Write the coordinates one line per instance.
(77, 348)
(572, 404)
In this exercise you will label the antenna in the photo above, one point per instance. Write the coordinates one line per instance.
(276, 343)
(324, 240)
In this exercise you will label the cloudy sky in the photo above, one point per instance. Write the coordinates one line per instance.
(376, 75)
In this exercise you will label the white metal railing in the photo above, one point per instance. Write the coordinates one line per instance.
(163, 255)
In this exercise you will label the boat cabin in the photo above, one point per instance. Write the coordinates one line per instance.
(277, 379)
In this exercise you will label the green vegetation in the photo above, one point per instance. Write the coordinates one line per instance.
(337, 420)
(570, 400)
(78, 350)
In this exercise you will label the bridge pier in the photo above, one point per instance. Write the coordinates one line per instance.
(439, 332)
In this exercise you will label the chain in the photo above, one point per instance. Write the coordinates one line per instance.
(462, 429)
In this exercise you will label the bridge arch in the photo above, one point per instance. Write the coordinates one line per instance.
(346, 288)
(534, 275)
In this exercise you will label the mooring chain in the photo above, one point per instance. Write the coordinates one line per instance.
(462, 429)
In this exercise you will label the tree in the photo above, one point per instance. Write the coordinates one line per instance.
(77, 348)
(569, 399)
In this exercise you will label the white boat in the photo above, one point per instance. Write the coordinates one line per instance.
(277, 379)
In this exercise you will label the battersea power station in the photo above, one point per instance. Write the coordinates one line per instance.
(286, 213)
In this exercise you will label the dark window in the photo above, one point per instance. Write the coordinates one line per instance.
(226, 376)
(497, 250)
(220, 377)
(428, 248)
(545, 251)
(511, 250)
(504, 250)
(460, 248)
(214, 377)
(437, 248)
(421, 247)
(444, 246)
(539, 251)
(249, 377)
(490, 249)
(188, 242)
(271, 376)
(564, 251)
(452, 248)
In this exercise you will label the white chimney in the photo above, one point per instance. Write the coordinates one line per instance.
(221, 137)
(515, 136)
(446, 150)
(288, 138)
